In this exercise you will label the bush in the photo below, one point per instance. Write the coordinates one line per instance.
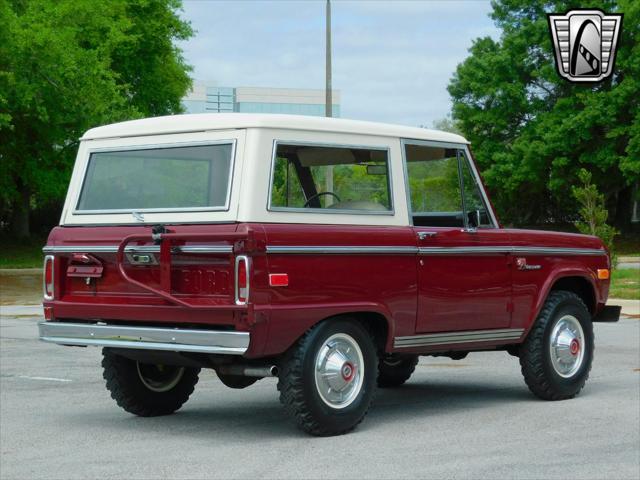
(593, 212)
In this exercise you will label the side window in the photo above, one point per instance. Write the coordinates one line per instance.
(436, 188)
(474, 204)
(323, 178)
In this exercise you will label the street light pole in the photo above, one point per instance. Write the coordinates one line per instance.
(328, 99)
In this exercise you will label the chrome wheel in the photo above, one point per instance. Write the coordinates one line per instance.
(339, 370)
(567, 346)
(159, 378)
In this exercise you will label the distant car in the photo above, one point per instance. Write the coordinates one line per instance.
(328, 253)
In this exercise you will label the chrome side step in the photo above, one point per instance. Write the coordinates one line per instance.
(145, 338)
(449, 338)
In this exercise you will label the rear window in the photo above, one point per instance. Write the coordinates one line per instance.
(158, 179)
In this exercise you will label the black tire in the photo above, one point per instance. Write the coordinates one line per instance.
(540, 375)
(237, 381)
(395, 370)
(161, 395)
(299, 391)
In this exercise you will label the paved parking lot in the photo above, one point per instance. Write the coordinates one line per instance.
(469, 419)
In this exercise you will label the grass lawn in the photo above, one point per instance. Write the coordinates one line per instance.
(21, 253)
(625, 283)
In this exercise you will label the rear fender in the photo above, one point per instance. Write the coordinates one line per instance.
(287, 324)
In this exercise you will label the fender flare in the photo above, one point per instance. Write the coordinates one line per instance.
(285, 325)
(558, 274)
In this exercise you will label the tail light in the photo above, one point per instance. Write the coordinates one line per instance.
(48, 277)
(242, 279)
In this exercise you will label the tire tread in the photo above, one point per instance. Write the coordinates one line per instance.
(532, 351)
(290, 386)
(117, 374)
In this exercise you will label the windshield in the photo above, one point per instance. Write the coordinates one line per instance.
(190, 177)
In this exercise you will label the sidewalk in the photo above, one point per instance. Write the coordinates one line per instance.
(21, 311)
(629, 307)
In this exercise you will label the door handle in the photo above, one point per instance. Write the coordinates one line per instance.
(425, 235)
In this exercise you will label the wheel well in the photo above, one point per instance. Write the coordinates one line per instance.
(376, 322)
(581, 287)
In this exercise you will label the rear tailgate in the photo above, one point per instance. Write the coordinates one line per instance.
(122, 273)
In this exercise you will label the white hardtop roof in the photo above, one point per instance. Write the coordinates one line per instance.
(199, 122)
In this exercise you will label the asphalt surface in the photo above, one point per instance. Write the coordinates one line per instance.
(467, 419)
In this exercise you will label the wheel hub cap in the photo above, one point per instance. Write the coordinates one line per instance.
(339, 370)
(566, 349)
(348, 371)
(159, 378)
(574, 348)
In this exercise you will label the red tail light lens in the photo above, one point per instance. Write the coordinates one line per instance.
(48, 278)
(242, 279)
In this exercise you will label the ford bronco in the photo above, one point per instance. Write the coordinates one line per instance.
(328, 253)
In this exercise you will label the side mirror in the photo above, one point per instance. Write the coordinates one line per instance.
(475, 218)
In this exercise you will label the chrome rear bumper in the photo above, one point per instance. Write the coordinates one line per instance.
(147, 338)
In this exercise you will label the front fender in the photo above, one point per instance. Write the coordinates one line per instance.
(558, 274)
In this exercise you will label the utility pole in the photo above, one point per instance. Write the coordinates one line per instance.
(328, 101)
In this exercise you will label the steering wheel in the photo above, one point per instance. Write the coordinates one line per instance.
(313, 197)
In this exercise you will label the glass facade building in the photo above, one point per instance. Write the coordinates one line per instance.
(207, 98)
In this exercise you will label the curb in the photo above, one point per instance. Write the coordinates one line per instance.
(629, 307)
(16, 272)
(628, 259)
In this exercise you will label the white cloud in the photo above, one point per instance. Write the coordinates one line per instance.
(392, 61)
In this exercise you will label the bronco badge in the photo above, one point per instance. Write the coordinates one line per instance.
(585, 43)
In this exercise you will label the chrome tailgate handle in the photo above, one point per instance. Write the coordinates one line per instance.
(425, 235)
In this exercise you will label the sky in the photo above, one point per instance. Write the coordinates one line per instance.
(392, 60)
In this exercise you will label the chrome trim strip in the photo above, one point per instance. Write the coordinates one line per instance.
(338, 250)
(332, 250)
(52, 259)
(448, 338)
(510, 249)
(205, 249)
(405, 250)
(557, 251)
(145, 338)
(134, 248)
(247, 265)
(462, 250)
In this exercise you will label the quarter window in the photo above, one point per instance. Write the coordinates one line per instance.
(331, 179)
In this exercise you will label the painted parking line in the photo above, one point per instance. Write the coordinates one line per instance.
(46, 379)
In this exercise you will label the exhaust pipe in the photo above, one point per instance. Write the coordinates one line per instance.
(249, 371)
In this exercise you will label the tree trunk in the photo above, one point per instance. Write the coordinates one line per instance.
(20, 219)
(623, 210)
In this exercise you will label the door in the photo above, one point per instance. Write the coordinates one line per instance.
(464, 279)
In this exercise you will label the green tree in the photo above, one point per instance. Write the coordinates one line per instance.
(447, 124)
(593, 212)
(68, 65)
(532, 130)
